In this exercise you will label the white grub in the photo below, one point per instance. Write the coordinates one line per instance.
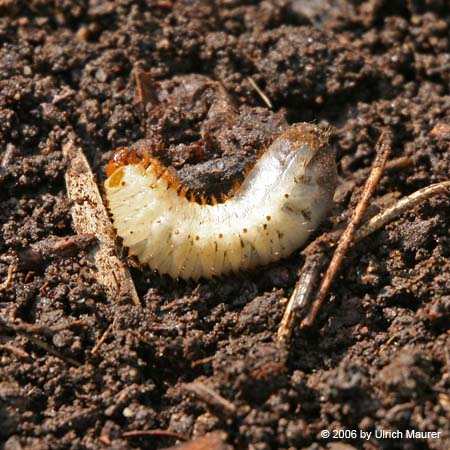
(281, 201)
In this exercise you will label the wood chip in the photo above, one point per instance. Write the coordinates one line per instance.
(211, 397)
(211, 441)
(90, 217)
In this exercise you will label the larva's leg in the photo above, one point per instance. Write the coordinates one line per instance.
(180, 254)
(207, 257)
(166, 262)
(197, 268)
(246, 256)
(219, 256)
(156, 249)
(260, 244)
(189, 263)
(204, 241)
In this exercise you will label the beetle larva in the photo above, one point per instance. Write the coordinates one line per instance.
(283, 198)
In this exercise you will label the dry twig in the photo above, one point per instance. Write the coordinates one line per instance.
(35, 328)
(211, 441)
(158, 433)
(39, 343)
(36, 255)
(102, 338)
(315, 258)
(15, 351)
(383, 150)
(8, 280)
(301, 295)
(211, 397)
(260, 92)
(145, 87)
(403, 205)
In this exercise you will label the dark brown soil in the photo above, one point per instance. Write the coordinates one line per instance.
(378, 357)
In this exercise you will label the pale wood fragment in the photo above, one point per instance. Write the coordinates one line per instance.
(90, 217)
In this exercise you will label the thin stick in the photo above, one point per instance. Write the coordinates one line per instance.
(215, 440)
(7, 282)
(211, 397)
(383, 150)
(30, 328)
(159, 433)
(404, 204)
(102, 339)
(40, 343)
(301, 295)
(304, 287)
(15, 351)
(260, 92)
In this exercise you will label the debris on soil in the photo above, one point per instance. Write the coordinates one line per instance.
(35, 256)
(90, 217)
(175, 74)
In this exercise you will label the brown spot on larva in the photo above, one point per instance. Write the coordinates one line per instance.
(220, 235)
(123, 183)
(244, 230)
(116, 178)
(268, 218)
(197, 238)
(265, 226)
(286, 195)
(177, 232)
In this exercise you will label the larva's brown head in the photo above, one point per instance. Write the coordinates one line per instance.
(124, 156)
(140, 155)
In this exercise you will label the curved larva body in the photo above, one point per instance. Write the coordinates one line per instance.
(281, 201)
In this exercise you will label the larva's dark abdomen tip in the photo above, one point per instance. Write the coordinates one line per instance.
(308, 134)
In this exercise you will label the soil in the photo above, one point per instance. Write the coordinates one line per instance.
(203, 357)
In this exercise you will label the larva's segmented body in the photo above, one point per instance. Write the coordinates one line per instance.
(283, 198)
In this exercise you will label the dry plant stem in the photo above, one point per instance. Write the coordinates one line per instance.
(40, 343)
(21, 326)
(90, 217)
(211, 397)
(383, 151)
(299, 299)
(102, 339)
(8, 280)
(215, 440)
(159, 433)
(304, 287)
(15, 351)
(145, 87)
(264, 97)
(404, 204)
